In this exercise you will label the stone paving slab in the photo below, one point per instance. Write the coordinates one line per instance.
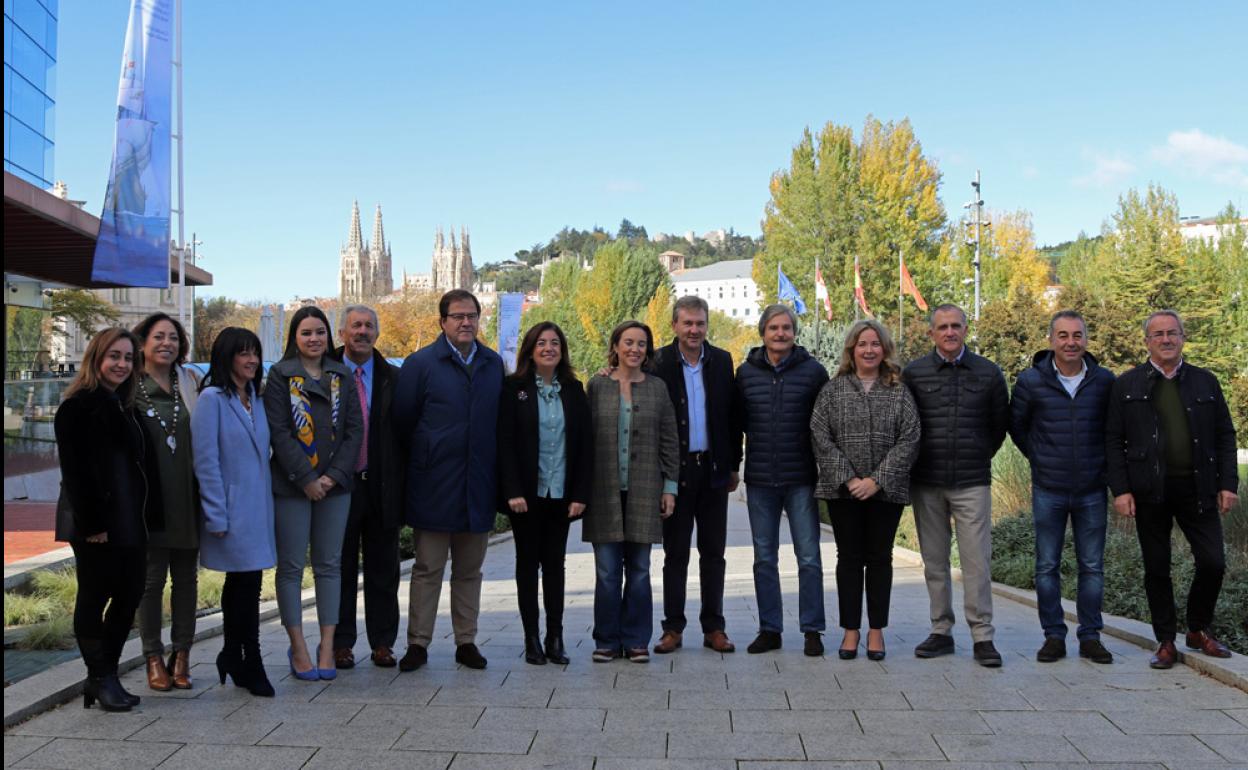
(692, 710)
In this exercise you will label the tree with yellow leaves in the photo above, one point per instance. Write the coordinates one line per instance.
(407, 324)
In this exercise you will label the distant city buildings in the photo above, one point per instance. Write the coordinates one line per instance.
(716, 238)
(726, 286)
(1206, 228)
(451, 266)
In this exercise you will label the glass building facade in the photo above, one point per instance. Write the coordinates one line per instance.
(29, 89)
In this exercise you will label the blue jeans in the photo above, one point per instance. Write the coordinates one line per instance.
(1087, 513)
(623, 606)
(765, 505)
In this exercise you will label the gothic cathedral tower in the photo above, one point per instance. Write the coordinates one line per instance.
(452, 263)
(364, 273)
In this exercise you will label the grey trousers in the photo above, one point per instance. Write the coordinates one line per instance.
(298, 524)
(970, 511)
(467, 552)
(182, 565)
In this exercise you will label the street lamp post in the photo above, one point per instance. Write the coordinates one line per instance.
(977, 208)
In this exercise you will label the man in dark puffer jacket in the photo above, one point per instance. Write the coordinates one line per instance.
(778, 385)
(964, 408)
(1058, 422)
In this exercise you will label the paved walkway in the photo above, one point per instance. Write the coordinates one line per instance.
(29, 530)
(694, 709)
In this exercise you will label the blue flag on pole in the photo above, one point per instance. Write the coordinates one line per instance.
(509, 309)
(786, 290)
(133, 245)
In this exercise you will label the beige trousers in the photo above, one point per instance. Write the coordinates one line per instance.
(467, 553)
(970, 511)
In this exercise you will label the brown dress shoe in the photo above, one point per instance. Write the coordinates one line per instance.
(383, 657)
(157, 675)
(344, 657)
(180, 669)
(1165, 657)
(1204, 641)
(670, 641)
(719, 642)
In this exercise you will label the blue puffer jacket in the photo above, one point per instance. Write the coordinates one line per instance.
(1063, 437)
(446, 418)
(778, 404)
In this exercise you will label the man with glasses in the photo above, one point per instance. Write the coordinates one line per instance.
(1171, 452)
(446, 412)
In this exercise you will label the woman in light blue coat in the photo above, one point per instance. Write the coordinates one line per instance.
(231, 443)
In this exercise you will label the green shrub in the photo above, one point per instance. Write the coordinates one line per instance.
(56, 633)
(1013, 563)
(61, 586)
(1011, 482)
(25, 609)
(211, 583)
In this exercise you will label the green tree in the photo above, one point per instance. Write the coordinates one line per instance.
(1011, 330)
(83, 307)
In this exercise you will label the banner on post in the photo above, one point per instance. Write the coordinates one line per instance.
(133, 244)
(509, 309)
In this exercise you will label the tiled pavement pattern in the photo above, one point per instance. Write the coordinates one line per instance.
(693, 709)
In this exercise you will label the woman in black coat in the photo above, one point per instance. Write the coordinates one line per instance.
(544, 467)
(109, 502)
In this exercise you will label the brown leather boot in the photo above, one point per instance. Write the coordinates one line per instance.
(180, 666)
(668, 643)
(157, 675)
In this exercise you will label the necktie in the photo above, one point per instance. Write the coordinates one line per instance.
(362, 462)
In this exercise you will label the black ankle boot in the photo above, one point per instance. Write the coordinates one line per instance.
(533, 651)
(107, 691)
(554, 649)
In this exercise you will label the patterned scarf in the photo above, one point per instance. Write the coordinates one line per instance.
(301, 414)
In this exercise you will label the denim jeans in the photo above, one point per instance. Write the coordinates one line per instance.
(1087, 512)
(765, 504)
(623, 605)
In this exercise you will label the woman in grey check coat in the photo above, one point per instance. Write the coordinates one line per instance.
(865, 434)
(636, 468)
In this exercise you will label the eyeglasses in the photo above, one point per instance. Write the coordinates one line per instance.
(1164, 333)
(459, 318)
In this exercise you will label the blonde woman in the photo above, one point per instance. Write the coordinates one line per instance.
(865, 433)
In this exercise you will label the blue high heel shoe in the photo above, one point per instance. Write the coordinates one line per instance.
(306, 676)
(324, 673)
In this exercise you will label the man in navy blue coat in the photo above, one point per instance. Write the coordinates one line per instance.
(1058, 421)
(446, 412)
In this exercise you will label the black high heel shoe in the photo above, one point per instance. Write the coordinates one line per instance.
(875, 654)
(533, 651)
(106, 690)
(555, 653)
(851, 653)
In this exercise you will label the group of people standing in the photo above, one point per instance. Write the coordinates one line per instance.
(339, 448)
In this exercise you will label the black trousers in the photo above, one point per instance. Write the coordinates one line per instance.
(110, 586)
(381, 574)
(541, 536)
(698, 503)
(240, 613)
(864, 531)
(1203, 530)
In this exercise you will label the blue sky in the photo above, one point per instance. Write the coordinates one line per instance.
(518, 119)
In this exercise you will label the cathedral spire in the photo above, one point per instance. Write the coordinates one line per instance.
(356, 238)
(379, 236)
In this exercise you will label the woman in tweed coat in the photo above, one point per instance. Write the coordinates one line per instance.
(865, 432)
(636, 467)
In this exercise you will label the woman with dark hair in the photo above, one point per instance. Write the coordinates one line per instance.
(235, 486)
(637, 465)
(173, 553)
(544, 467)
(865, 433)
(110, 500)
(315, 427)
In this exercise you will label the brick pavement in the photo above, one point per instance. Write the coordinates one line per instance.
(29, 530)
(693, 709)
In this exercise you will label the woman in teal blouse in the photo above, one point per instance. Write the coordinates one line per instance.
(545, 461)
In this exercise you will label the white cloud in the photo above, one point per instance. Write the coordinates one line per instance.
(1214, 157)
(1030, 172)
(1107, 171)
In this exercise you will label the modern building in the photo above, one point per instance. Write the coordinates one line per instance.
(726, 286)
(30, 30)
(1207, 228)
(364, 272)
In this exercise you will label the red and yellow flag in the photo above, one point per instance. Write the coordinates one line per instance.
(908, 287)
(859, 294)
